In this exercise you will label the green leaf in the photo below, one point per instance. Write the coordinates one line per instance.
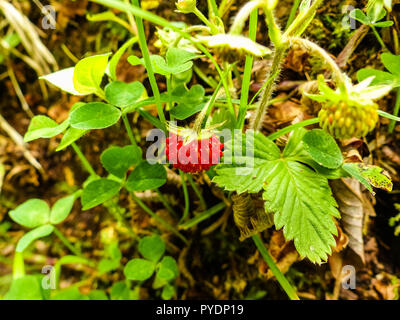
(139, 269)
(99, 191)
(112, 65)
(31, 214)
(189, 102)
(146, 176)
(107, 265)
(97, 295)
(61, 209)
(168, 269)
(381, 77)
(94, 115)
(323, 148)
(168, 292)
(123, 94)
(63, 80)
(117, 160)
(383, 24)
(360, 16)
(25, 288)
(28, 238)
(70, 136)
(89, 72)
(354, 171)
(119, 291)
(391, 62)
(235, 42)
(177, 61)
(44, 127)
(152, 247)
(299, 197)
(303, 206)
(242, 178)
(369, 175)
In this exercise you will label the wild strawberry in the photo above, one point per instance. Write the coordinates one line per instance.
(193, 154)
(346, 121)
(350, 110)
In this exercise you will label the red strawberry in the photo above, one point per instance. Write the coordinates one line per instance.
(193, 156)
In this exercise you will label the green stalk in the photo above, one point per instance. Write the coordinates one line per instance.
(203, 216)
(18, 265)
(269, 88)
(166, 203)
(293, 13)
(203, 18)
(185, 194)
(395, 111)
(244, 94)
(275, 270)
(302, 20)
(68, 244)
(210, 81)
(292, 127)
(197, 191)
(159, 219)
(213, 8)
(83, 159)
(378, 37)
(148, 65)
(128, 129)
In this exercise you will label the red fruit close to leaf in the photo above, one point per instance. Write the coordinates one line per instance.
(195, 155)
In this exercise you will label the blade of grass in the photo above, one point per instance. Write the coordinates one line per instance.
(202, 216)
(247, 73)
(275, 270)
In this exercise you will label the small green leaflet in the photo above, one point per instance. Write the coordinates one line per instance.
(89, 72)
(44, 127)
(176, 61)
(146, 176)
(139, 269)
(63, 80)
(123, 94)
(94, 115)
(117, 160)
(323, 148)
(300, 198)
(98, 191)
(31, 213)
(152, 247)
(369, 175)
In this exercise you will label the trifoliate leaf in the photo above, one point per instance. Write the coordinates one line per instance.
(299, 197)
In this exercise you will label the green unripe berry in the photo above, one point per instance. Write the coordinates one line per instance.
(186, 6)
(348, 121)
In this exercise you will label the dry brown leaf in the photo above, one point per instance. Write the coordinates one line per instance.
(349, 198)
(284, 254)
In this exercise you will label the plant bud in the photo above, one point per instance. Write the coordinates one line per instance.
(186, 6)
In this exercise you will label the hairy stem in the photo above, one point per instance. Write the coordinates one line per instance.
(269, 89)
(314, 48)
